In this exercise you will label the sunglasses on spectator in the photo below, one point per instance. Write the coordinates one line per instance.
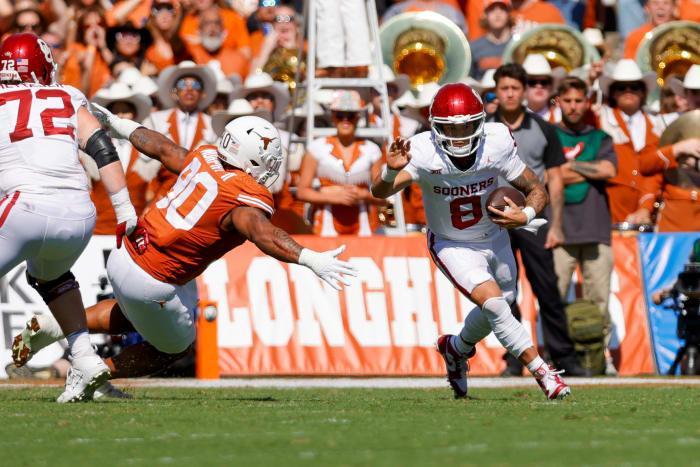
(259, 95)
(158, 8)
(132, 37)
(29, 27)
(633, 86)
(340, 116)
(532, 82)
(284, 19)
(183, 84)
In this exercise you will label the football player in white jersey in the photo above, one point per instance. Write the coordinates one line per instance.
(457, 165)
(46, 216)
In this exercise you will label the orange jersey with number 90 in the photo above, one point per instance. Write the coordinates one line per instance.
(184, 226)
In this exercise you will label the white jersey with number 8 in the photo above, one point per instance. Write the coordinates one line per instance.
(39, 139)
(454, 200)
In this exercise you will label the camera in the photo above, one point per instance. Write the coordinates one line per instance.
(686, 303)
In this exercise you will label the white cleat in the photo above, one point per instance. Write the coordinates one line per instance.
(40, 331)
(551, 383)
(86, 375)
(108, 391)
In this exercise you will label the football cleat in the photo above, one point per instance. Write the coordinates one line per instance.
(456, 363)
(40, 331)
(86, 375)
(551, 383)
(108, 391)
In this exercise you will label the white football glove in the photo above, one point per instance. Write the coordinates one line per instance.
(534, 225)
(326, 266)
(120, 128)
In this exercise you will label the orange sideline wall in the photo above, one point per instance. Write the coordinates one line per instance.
(277, 318)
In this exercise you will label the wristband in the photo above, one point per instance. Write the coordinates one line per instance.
(122, 205)
(389, 175)
(530, 213)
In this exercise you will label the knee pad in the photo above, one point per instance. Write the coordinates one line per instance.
(510, 333)
(53, 289)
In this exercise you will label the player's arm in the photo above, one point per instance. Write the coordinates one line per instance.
(148, 142)
(93, 140)
(393, 177)
(535, 201)
(254, 225)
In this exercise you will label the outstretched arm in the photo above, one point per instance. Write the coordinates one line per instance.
(148, 142)
(393, 179)
(256, 227)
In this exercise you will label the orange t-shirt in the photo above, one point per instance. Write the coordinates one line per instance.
(689, 10)
(534, 14)
(237, 33)
(232, 61)
(634, 39)
(72, 72)
(185, 227)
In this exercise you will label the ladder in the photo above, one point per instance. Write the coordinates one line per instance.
(312, 85)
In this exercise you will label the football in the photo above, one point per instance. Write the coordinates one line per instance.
(496, 200)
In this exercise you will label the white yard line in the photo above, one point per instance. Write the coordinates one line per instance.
(379, 383)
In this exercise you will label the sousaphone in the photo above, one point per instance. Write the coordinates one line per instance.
(685, 127)
(562, 46)
(670, 49)
(426, 46)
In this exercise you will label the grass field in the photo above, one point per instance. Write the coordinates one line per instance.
(392, 427)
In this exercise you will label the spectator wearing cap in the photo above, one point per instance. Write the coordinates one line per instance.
(212, 46)
(659, 12)
(487, 50)
(263, 93)
(185, 90)
(163, 23)
(540, 87)
(635, 134)
(590, 161)
(129, 44)
(344, 164)
(139, 169)
(237, 36)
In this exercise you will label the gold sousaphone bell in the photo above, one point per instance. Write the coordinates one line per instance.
(561, 45)
(426, 46)
(670, 49)
(282, 66)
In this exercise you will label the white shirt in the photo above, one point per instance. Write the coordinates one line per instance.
(637, 126)
(39, 139)
(186, 126)
(455, 200)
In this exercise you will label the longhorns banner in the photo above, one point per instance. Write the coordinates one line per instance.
(278, 318)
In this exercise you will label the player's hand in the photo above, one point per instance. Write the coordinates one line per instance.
(327, 266)
(555, 238)
(135, 232)
(120, 128)
(511, 217)
(399, 154)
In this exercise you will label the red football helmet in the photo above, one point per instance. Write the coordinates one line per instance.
(26, 58)
(457, 119)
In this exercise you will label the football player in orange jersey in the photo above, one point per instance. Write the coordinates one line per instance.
(219, 201)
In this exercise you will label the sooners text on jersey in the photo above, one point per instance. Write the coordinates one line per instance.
(38, 138)
(455, 200)
(184, 226)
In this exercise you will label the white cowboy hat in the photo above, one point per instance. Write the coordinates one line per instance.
(627, 70)
(223, 84)
(690, 81)
(426, 92)
(487, 81)
(135, 80)
(300, 112)
(237, 108)
(169, 76)
(120, 92)
(537, 65)
(129, 76)
(263, 82)
(402, 82)
(594, 36)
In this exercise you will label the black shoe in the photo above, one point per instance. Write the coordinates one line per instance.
(571, 367)
(513, 368)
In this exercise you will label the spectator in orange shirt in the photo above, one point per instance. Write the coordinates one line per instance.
(660, 12)
(236, 32)
(212, 45)
(168, 47)
(88, 56)
(530, 13)
(487, 50)
(689, 10)
(129, 45)
(128, 11)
